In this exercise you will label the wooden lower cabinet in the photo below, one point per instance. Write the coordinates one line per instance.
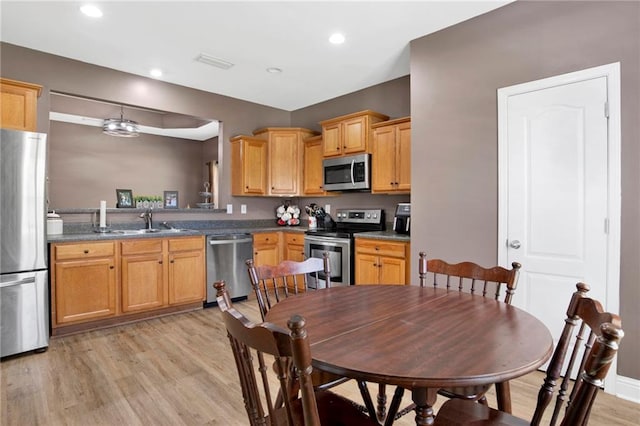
(103, 283)
(142, 275)
(186, 271)
(382, 262)
(293, 246)
(266, 248)
(83, 282)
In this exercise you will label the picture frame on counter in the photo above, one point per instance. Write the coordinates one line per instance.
(125, 198)
(170, 199)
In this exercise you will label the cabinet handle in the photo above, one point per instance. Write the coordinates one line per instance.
(86, 252)
(111, 266)
(171, 261)
(390, 183)
(160, 262)
(246, 187)
(377, 248)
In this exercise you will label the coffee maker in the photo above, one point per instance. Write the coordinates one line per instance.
(402, 219)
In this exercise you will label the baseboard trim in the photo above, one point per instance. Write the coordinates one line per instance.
(628, 388)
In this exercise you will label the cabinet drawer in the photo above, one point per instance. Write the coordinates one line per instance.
(181, 244)
(265, 238)
(84, 250)
(141, 246)
(292, 238)
(381, 247)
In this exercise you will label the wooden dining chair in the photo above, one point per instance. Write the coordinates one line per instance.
(496, 282)
(271, 283)
(586, 327)
(250, 344)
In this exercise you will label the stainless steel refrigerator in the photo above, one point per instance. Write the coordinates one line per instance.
(24, 290)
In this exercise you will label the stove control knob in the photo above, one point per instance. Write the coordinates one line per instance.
(375, 215)
(368, 215)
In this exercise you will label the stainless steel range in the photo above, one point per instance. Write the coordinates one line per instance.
(338, 242)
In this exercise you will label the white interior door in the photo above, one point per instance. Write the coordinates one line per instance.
(555, 205)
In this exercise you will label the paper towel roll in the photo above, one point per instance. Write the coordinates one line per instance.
(103, 214)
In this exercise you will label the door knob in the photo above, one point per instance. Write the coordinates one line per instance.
(515, 244)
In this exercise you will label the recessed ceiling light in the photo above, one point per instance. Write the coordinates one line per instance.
(274, 70)
(336, 38)
(91, 11)
(156, 73)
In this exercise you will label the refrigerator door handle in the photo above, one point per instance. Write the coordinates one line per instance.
(13, 282)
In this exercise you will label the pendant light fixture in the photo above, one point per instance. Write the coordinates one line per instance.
(120, 127)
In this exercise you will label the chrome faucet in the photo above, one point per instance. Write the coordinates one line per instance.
(147, 216)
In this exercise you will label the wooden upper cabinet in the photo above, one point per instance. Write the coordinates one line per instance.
(313, 178)
(391, 156)
(18, 105)
(285, 160)
(349, 134)
(248, 166)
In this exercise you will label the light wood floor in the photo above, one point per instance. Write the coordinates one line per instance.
(175, 370)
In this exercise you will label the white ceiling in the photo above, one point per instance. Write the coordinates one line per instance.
(292, 35)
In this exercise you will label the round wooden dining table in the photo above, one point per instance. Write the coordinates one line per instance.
(421, 339)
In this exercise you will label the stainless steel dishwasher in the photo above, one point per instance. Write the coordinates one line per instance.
(226, 255)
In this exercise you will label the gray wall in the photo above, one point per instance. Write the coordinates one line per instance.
(64, 75)
(390, 98)
(454, 77)
(85, 166)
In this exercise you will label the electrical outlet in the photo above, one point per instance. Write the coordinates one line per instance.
(327, 208)
(243, 208)
(229, 208)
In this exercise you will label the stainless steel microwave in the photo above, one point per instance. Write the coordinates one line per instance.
(349, 173)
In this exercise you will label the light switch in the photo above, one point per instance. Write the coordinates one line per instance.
(229, 208)
(243, 208)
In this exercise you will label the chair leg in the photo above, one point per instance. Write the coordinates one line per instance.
(393, 407)
(366, 397)
(503, 394)
(382, 402)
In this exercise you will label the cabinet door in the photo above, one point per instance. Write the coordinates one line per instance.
(85, 290)
(186, 277)
(312, 170)
(254, 167)
(383, 163)
(19, 105)
(331, 142)
(392, 270)
(266, 248)
(143, 283)
(354, 135)
(248, 166)
(284, 161)
(403, 157)
(367, 270)
(294, 248)
(266, 255)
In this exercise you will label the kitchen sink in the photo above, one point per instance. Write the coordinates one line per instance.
(147, 231)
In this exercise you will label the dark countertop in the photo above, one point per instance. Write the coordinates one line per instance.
(94, 236)
(384, 235)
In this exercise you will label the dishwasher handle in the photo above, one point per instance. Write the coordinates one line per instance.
(221, 241)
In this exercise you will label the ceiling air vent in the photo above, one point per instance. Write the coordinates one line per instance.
(214, 62)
